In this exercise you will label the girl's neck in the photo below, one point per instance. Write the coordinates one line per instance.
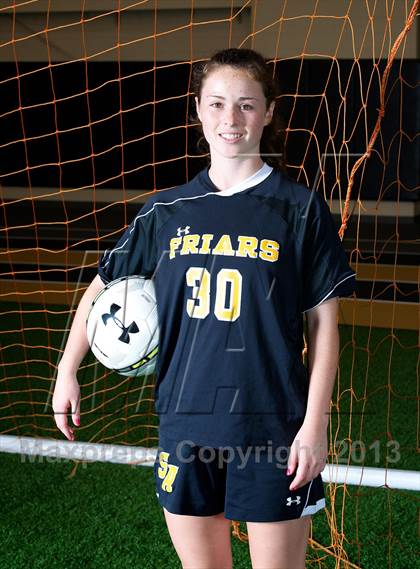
(227, 173)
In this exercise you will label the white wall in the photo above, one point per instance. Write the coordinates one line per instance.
(278, 28)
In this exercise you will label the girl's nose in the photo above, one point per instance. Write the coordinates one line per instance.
(230, 116)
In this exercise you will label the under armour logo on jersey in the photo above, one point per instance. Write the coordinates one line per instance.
(290, 501)
(126, 330)
(185, 231)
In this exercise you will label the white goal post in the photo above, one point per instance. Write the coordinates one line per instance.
(33, 449)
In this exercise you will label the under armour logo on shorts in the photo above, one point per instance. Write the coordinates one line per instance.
(186, 230)
(290, 500)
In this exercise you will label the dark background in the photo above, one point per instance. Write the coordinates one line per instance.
(396, 157)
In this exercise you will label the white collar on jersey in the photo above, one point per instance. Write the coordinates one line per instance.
(253, 180)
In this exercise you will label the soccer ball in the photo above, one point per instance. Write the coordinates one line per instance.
(122, 326)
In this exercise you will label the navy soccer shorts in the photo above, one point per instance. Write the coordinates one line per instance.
(247, 485)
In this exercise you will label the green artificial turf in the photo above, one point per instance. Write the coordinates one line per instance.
(107, 515)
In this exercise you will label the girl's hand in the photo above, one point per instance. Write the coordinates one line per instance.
(66, 394)
(308, 453)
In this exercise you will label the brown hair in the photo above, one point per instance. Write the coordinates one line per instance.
(272, 139)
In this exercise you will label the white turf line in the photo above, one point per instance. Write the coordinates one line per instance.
(140, 456)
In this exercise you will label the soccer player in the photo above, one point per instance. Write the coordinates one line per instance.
(238, 255)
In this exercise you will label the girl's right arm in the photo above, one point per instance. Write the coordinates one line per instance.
(67, 391)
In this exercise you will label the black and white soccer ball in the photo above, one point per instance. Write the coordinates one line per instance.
(122, 326)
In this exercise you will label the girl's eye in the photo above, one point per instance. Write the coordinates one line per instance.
(244, 107)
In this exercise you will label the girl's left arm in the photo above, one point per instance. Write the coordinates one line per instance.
(309, 449)
(323, 349)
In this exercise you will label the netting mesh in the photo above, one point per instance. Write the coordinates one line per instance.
(95, 115)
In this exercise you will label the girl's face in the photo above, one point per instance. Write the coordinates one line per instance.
(233, 112)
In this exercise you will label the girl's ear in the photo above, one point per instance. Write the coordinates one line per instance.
(197, 107)
(269, 113)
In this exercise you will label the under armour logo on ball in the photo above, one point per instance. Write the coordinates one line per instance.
(186, 230)
(126, 330)
(290, 501)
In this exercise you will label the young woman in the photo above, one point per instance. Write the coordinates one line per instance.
(237, 255)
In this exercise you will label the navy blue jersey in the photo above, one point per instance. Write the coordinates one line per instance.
(234, 274)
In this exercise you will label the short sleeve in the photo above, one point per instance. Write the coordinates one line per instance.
(135, 252)
(326, 270)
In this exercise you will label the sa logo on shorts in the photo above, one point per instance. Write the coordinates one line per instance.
(167, 472)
